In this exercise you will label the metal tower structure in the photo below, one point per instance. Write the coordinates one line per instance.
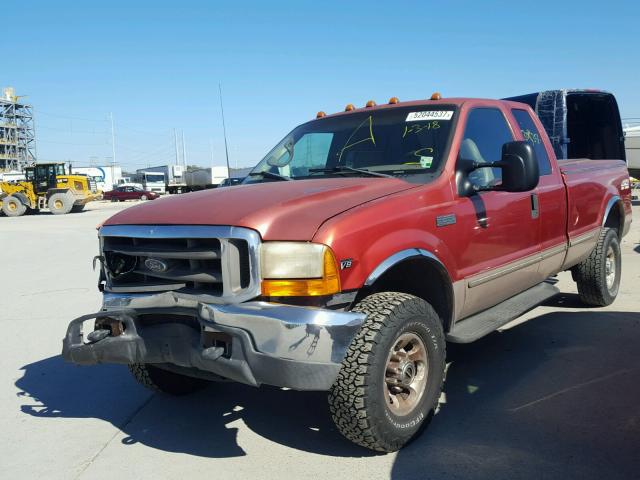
(17, 133)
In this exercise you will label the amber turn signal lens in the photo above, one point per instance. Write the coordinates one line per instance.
(436, 96)
(370, 104)
(393, 100)
(320, 114)
(312, 287)
(349, 108)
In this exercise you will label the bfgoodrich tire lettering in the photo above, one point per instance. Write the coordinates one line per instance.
(358, 400)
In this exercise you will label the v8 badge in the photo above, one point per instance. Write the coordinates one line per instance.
(346, 263)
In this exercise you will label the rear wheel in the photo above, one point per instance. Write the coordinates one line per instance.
(143, 198)
(598, 276)
(60, 203)
(393, 373)
(159, 380)
(13, 206)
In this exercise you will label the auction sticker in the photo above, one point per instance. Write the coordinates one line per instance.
(429, 115)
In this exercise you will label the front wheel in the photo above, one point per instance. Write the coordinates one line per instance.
(393, 373)
(143, 198)
(598, 276)
(13, 206)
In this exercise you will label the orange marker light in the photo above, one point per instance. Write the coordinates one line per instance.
(436, 96)
(349, 108)
(370, 104)
(320, 114)
(393, 100)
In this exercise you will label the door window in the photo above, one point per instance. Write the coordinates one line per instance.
(485, 133)
(532, 135)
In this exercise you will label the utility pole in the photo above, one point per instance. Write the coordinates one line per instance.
(113, 150)
(184, 152)
(224, 131)
(175, 142)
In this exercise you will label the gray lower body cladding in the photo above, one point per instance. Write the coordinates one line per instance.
(280, 345)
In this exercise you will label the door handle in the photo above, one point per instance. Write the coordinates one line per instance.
(535, 209)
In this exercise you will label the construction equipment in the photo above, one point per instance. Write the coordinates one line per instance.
(47, 185)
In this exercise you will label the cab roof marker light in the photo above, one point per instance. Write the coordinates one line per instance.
(320, 114)
(436, 96)
(370, 104)
(349, 107)
(393, 100)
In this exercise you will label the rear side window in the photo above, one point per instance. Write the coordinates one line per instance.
(532, 135)
(485, 133)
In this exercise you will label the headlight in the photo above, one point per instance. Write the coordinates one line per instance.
(298, 269)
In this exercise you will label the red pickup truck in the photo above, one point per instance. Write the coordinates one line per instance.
(351, 254)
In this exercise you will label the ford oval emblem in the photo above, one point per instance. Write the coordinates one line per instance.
(155, 265)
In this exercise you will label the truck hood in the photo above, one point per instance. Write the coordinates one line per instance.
(277, 210)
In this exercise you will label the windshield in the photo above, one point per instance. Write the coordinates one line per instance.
(408, 142)
(154, 178)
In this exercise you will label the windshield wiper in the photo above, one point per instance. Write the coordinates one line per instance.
(344, 168)
(268, 174)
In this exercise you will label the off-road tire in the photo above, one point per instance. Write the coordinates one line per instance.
(159, 380)
(358, 400)
(591, 273)
(60, 203)
(78, 208)
(13, 206)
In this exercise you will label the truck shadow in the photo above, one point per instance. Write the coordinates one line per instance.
(559, 394)
(201, 424)
(555, 397)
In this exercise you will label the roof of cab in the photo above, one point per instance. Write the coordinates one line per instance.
(456, 101)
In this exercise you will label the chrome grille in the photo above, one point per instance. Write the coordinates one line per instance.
(92, 185)
(218, 262)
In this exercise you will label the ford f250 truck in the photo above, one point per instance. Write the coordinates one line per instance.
(359, 246)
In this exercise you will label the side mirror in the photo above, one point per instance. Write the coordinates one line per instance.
(519, 167)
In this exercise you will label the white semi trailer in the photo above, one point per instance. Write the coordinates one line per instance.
(632, 148)
(106, 176)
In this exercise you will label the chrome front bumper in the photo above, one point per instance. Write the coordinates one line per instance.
(282, 345)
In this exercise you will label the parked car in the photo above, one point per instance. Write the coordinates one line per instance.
(346, 266)
(228, 182)
(127, 192)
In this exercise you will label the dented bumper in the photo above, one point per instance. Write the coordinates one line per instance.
(253, 343)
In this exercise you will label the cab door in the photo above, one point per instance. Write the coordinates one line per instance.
(550, 195)
(499, 243)
(45, 178)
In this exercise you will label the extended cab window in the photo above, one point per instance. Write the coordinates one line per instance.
(485, 133)
(406, 142)
(532, 135)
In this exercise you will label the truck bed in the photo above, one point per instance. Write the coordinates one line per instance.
(591, 185)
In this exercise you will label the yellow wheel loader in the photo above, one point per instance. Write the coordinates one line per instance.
(47, 185)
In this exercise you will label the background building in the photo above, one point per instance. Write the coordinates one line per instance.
(17, 133)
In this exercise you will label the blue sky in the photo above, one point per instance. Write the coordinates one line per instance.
(156, 65)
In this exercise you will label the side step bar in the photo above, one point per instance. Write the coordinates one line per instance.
(487, 321)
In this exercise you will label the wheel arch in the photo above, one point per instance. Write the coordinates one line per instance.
(614, 215)
(22, 197)
(398, 272)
